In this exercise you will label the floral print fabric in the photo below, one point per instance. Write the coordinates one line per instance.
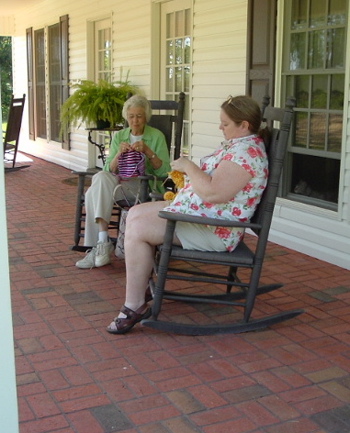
(249, 153)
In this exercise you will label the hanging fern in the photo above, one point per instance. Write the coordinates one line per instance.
(92, 102)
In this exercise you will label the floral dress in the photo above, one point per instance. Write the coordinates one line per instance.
(249, 153)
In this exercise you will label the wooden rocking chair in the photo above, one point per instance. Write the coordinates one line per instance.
(167, 117)
(244, 258)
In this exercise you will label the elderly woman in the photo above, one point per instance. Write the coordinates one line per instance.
(99, 198)
(227, 185)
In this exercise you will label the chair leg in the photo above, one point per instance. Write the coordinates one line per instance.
(79, 212)
(162, 269)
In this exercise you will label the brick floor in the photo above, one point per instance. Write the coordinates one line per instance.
(74, 377)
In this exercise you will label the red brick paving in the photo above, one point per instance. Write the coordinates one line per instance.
(73, 377)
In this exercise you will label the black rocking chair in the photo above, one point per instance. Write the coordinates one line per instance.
(167, 117)
(247, 259)
(11, 135)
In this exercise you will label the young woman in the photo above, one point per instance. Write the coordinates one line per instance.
(227, 185)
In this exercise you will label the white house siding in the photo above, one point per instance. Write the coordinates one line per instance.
(219, 66)
(218, 69)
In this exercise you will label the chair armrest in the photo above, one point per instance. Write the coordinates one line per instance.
(172, 216)
(84, 173)
(156, 196)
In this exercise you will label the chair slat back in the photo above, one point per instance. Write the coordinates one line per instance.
(276, 150)
(169, 119)
(14, 119)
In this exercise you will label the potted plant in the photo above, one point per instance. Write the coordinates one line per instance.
(92, 103)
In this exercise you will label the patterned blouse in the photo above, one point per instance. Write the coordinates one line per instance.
(249, 153)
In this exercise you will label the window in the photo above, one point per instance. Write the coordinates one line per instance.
(47, 58)
(314, 72)
(103, 50)
(101, 59)
(176, 57)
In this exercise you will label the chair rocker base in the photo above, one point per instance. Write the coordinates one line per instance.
(80, 248)
(231, 328)
(223, 298)
(18, 167)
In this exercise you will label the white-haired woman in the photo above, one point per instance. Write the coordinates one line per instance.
(99, 198)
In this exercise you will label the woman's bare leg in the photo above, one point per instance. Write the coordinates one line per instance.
(144, 230)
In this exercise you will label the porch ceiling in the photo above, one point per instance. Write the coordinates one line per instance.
(9, 7)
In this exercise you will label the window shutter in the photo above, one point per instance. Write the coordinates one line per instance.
(64, 42)
(30, 73)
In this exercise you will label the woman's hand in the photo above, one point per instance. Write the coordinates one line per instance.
(124, 147)
(181, 164)
(139, 146)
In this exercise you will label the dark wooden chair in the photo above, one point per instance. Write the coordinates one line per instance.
(11, 135)
(167, 117)
(246, 259)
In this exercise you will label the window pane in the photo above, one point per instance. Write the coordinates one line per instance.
(301, 128)
(187, 50)
(178, 79)
(179, 23)
(315, 177)
(302, 91)
(187, 78)
(337, 12)
(170, 26)
(170, 52)
(170, 80)
(187, 21)
(317, 49)
(104, 36)
(319, 91)
(335, 132)
(179, 52)
(337, 92)
(317, 131)
(297, 51)
(299, 14)
(185, 144)
(290, 86)
(317, 13)
(336, 48)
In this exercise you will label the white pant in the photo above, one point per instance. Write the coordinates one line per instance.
(99, 201)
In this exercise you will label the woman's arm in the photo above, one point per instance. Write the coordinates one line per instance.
(157, 145)
(227, 180)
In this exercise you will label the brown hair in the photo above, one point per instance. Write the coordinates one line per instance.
(242, 107)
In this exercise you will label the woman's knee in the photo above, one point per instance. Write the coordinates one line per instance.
(135, 215)
(102, 177)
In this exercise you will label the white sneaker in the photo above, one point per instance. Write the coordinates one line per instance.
(97, 257)
(103, 253)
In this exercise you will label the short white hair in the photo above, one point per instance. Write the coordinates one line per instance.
(137, 101)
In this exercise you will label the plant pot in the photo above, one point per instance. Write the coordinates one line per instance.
(103, 124)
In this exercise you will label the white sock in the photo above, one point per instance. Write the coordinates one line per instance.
(103, 237)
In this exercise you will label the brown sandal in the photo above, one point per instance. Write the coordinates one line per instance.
(123, 325)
